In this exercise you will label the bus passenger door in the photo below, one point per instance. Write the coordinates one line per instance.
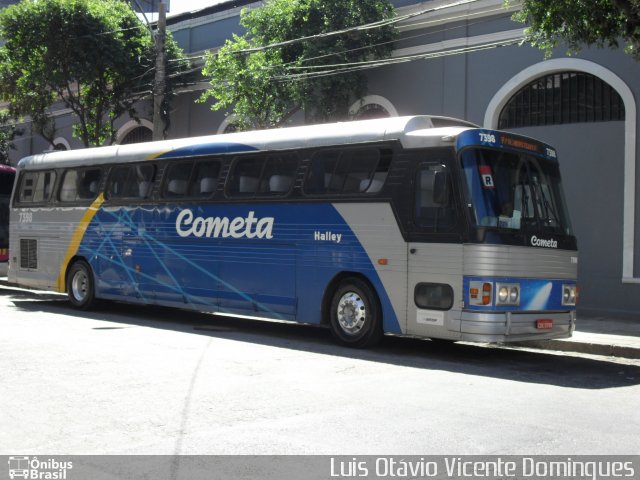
(113, 268)
(134, 257)
(434, 254)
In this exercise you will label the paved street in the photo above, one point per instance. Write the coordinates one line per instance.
(134, 380)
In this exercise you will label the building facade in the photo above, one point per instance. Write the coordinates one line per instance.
(466, 60)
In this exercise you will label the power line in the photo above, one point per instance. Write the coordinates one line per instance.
(368, 26)
(359, 66)
(411, 37)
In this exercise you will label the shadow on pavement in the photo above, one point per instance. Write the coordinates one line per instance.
(540, 367)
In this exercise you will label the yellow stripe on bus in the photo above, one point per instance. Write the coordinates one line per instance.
(76, 239)
(156, 155)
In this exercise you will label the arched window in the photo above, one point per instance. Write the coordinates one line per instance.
(60, 144)
(372, 106)
(137, 135)
(371, 111)
(564, 97)
(231, 128)
(229, 125)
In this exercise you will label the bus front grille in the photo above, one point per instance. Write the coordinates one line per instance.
(28, 253)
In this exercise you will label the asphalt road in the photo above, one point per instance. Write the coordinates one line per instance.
(137, 380)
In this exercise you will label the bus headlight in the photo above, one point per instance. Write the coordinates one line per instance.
(508, 294)
(503, 294)
(569, 295)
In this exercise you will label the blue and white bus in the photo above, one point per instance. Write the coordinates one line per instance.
(423, 226)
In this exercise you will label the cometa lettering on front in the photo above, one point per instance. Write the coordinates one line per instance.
(224, 227)
(541, 242)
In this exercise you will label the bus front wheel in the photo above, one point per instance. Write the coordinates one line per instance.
(80, 288)
(354, 314)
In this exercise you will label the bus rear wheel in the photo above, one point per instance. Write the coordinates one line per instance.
(80, 287)
(354, 314)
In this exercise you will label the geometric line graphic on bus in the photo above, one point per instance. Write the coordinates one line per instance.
(115, 257)
(143, 253)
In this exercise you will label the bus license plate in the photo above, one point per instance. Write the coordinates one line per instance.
(544, 324)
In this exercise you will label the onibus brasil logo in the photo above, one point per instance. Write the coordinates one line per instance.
(33, 468)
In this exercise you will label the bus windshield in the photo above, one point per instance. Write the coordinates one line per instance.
(515, 191)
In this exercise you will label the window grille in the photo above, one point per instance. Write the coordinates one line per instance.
(559, 98)
(137, 135)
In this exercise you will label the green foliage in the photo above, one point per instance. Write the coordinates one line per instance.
(577, 23)
(267, 85)
(8, 132)
(95, 57)
(243, 82)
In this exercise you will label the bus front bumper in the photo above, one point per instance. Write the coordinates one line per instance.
(499, 327)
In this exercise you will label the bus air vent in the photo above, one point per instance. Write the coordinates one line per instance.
(28, 253)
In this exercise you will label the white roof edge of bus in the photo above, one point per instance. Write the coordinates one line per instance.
(393, 128)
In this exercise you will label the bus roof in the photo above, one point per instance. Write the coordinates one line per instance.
(7, 169)
(344, 133)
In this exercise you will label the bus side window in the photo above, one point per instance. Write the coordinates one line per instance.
(245, 176)
(358, 167)
(69, 188)
(278, 174)
(321, 178)
(117, 181)
(27, 187)
(89, 180)
(205, 179)
(354, 170)
(36, 187)
(176, 182)
(44, 186)
(80, 184)
(141, 180)
(434, 209)
(131, 181)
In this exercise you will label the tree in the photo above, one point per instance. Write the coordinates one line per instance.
(8, 131)
(289, 59)
(94, 57)
(578, 23)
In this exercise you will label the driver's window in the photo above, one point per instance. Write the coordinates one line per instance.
(434, 206)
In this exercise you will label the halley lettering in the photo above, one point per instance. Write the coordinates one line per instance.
(216, 227)
(540, 242)
(327, 237)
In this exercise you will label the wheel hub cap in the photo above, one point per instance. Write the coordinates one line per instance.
(351, 313)
(79, 286)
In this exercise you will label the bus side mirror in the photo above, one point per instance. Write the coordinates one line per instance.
(441, 189)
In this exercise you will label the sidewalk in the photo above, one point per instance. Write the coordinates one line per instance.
(598, 336)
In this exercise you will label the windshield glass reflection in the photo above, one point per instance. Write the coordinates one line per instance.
(515, 191)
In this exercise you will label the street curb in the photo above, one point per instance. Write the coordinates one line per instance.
(603, 349)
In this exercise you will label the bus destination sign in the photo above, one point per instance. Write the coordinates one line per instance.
(494, 139)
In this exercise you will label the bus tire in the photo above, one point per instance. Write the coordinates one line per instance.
(354, 314)
(80, 285)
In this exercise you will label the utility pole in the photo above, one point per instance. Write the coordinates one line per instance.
(160, 77)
